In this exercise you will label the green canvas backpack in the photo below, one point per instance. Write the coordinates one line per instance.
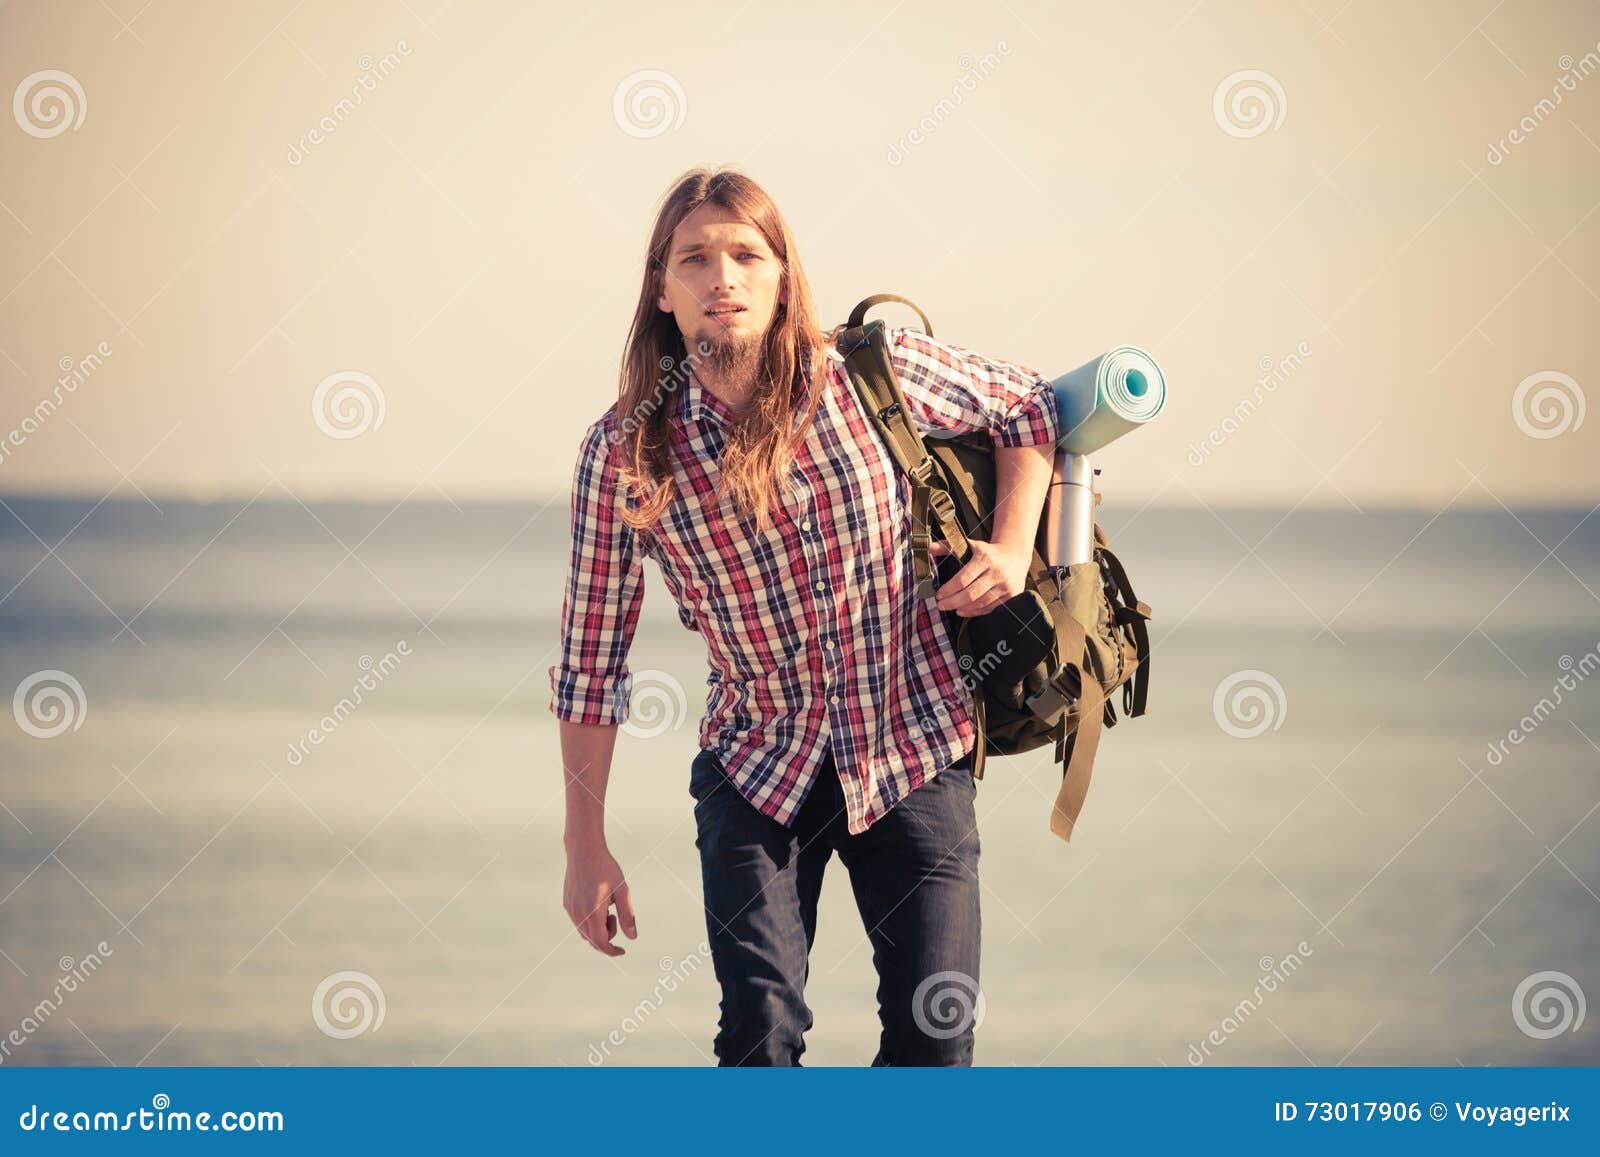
(1042, 666)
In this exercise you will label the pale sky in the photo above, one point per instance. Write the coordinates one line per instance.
(1046, 180)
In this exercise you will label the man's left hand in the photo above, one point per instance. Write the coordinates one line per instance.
(996, 572)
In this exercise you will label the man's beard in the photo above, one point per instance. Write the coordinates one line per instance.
(730, 359)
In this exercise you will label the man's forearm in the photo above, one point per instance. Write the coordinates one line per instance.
(586, 750)
(1022, 478)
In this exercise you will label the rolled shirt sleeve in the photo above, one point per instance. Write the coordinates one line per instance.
(600, 608)
(948, 388)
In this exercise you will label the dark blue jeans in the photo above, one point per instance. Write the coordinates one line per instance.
(915, 877)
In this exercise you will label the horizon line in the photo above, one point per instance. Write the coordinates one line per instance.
(1385, 504)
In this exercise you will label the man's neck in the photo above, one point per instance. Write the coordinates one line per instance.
(736, 396)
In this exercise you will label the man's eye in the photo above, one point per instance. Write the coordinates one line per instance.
(757, 256)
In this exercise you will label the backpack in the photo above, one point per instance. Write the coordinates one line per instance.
(1046, 661)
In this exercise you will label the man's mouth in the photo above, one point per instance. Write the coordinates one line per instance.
(723, 312)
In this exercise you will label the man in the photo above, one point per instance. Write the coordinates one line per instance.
(837, 715)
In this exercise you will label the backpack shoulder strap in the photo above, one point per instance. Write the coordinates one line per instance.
(859, 313)
(865, 350)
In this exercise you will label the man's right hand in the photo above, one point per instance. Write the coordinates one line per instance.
(594, 885)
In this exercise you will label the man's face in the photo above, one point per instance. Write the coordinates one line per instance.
(722, 286)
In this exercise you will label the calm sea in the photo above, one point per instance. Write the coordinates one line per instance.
(1344, 858)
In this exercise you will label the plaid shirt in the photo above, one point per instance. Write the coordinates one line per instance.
(813, 629)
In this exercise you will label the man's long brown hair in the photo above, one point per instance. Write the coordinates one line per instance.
(760, 445)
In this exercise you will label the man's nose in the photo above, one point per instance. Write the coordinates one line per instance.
(726, 273)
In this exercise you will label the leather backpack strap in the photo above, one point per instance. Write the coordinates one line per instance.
(1084, 743)
(871, 370)
(859, 313)
(965, 488)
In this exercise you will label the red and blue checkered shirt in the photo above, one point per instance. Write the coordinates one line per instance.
(813, 628)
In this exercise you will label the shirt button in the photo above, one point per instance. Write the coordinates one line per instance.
(828, 643)
(821, 586)
(833, 699)
(805, 524)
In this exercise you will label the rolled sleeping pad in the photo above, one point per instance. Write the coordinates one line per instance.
(1106, 397)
